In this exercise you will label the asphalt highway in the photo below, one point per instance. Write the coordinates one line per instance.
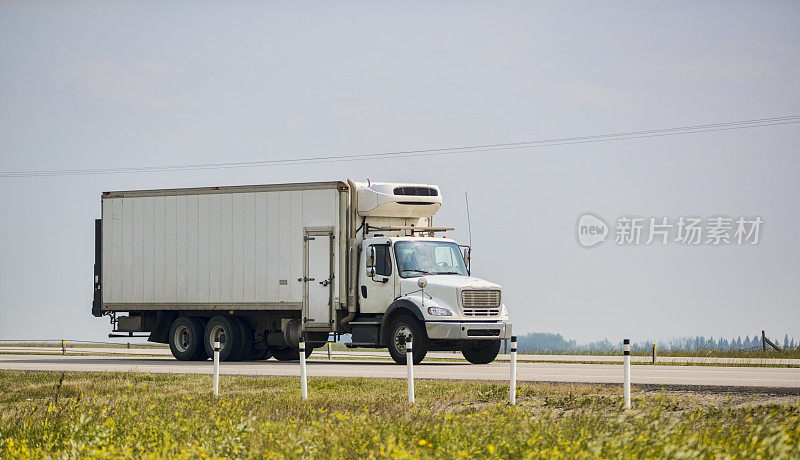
(669, 376)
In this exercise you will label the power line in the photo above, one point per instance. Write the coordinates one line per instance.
(676, 131)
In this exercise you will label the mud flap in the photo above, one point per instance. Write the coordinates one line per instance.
(98, 268)
(160, 332)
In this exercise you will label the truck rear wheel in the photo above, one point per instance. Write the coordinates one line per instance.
(258, 354)
(186, 339)
(481, 351)
(400, 328)
(289, 353)
(246, 339)
(226, 329)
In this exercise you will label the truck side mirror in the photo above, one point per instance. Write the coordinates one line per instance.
(371, 261)
(467, 252)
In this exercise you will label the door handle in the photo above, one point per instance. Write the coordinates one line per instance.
(305, 279)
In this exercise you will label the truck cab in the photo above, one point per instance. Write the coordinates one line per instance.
(411, 281)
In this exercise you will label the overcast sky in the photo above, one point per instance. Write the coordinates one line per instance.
(125, 84)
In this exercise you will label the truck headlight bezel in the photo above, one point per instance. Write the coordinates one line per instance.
(439, 311)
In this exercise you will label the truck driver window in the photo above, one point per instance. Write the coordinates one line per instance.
(383, 261)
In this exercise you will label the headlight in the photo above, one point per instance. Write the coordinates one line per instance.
(439, 311)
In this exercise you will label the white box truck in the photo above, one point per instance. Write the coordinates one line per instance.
(258, 266)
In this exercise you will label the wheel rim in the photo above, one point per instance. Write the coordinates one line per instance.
(217, 332)
(181, 338)
(400, 335)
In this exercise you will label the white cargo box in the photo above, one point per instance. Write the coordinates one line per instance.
(223, 248)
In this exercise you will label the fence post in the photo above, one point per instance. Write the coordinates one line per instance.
(303, 383)
(63, 347)
(216, 367)
(329, 350)
(655, 353)
(626, 364)
(129, 345)
(512, 388)
(410, 366)
(763, 341)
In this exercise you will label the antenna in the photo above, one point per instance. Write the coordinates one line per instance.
(469, 226)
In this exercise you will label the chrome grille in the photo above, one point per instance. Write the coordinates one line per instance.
(480, 302)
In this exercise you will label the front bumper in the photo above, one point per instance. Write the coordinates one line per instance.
(451, 330)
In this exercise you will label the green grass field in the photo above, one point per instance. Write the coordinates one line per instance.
(139, 415)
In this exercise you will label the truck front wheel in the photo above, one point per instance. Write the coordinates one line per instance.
(186, 339)
(481, 351)
(400, 328)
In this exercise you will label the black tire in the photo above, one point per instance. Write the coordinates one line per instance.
(259, 354)
(230, 338)
(289, 353)
(201, 350)
(246, 339)
(186, 339)
(481, 351)
(399, 329)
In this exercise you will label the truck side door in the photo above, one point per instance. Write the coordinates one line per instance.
(376, 292)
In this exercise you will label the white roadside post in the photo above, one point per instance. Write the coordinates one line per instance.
(422, 283)
(626, 364)
(216, 367)
(303, 385)
(410, 366)
(512, 388)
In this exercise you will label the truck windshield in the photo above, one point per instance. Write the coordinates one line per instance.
(417, 258)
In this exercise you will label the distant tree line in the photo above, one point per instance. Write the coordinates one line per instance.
(549, 342)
